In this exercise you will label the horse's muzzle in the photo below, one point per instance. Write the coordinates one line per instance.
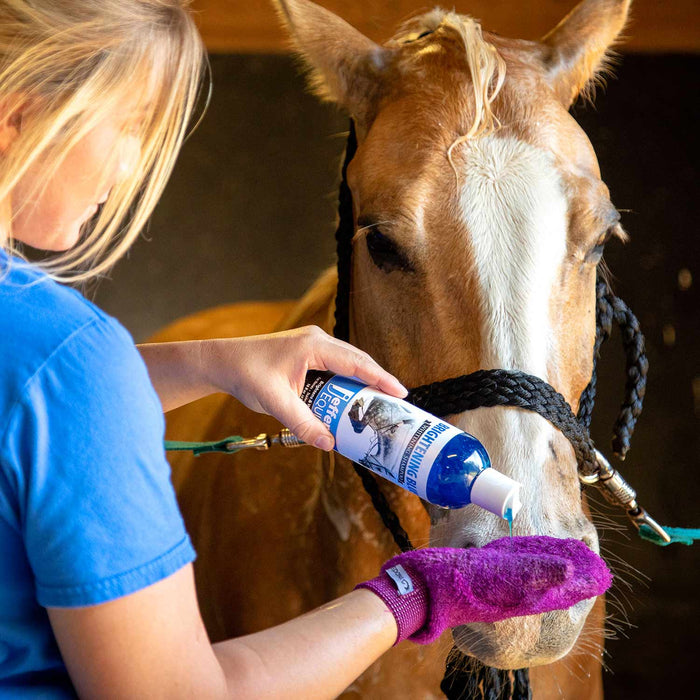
(524, 642)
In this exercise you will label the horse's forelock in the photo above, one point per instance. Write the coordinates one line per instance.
(486, 66)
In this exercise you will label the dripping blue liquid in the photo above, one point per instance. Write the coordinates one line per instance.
(508, 515)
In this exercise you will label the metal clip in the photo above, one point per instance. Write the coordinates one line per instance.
(604, 471)
(641, 517)
(617, 491)
(285, 438)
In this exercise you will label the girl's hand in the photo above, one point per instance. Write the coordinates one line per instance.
(430, 590)
(266, 373)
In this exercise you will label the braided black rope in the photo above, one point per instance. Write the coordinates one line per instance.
(636, 380)
(501, 387)
(610, 308)
(604, 319)
(466, 678)
(343, 236)
(521, 685)
(381, 505)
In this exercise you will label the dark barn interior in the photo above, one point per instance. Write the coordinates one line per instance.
(249, 214)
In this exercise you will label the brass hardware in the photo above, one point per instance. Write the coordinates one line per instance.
(285, 438)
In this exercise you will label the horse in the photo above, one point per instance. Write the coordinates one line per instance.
(480, 218)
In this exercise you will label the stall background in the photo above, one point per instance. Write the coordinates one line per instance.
(249, 214)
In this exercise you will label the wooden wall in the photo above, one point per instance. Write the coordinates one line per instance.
(249, 26)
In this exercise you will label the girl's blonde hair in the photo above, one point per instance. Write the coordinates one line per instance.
(74, 62)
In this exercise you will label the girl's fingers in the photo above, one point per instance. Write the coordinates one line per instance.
(350, 362)
(291, 411)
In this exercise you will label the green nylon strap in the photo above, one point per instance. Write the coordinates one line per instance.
(680, 535)
(198, 448)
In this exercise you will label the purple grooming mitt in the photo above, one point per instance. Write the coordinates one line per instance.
(429, 590)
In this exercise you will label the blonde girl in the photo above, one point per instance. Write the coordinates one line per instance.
(95, 101)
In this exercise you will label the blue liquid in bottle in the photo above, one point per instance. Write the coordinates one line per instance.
(408, 446)
(456, 466)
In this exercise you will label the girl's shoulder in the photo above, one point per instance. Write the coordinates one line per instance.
(30, 298)
(40, 319)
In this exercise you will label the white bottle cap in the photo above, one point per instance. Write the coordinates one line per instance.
(496, 493)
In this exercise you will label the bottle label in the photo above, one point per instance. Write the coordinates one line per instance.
(388, 436)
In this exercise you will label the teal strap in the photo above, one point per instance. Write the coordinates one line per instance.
(197, 448)
(681, 535)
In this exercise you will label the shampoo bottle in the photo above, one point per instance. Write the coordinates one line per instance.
(408, 446)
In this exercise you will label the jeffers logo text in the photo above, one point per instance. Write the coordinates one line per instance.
(330, 402)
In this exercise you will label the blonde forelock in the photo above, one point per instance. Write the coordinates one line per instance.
(487, 69)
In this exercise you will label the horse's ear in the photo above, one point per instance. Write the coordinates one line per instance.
(345, 66)
(577, 46)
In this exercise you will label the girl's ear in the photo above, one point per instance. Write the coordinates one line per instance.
(578, 44)
(10, 123)
(346, 67)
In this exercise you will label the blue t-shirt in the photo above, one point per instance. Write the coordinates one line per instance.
(87, 508)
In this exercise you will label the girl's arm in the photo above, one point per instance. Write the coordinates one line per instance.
(178, 371)
(153, 644)
(265, 372)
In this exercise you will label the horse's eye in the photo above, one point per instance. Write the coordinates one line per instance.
(596, 253)
(416, 37)
(597, 250)
(385, 253)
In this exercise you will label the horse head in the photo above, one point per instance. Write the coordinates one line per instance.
(480, 219)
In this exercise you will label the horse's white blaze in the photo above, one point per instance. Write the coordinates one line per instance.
(514, 207)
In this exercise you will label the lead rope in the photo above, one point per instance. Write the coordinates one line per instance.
(610, 308)
(343, 235)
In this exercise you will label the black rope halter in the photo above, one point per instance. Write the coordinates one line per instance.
(467, 678)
